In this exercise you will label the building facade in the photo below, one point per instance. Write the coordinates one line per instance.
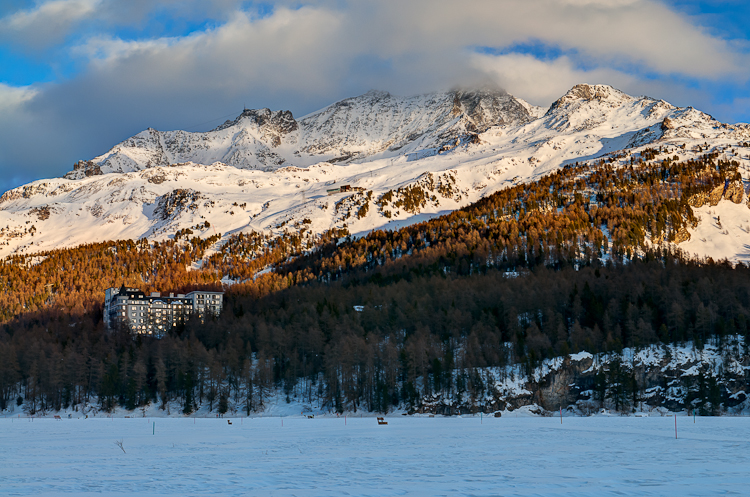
(156, 314)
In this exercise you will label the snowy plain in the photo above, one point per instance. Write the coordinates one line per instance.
(330, 456)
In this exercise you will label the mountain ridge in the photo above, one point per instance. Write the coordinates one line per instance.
(357, 127)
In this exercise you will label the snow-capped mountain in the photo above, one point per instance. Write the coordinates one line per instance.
(373, 124)
(267, 171)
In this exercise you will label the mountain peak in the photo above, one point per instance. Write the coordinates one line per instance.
(481, 91)
(584, 93)
(377, 94)
(282, 120)
(488, 106)
(595, 92)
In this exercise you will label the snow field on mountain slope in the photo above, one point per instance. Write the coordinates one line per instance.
(723, 232)
(231, 199)
(510, 456)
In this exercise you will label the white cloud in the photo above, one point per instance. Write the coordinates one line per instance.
(47, 22)
(294, 50)
(13, 97)
(541, 82)
(636, 31)
(324, 50)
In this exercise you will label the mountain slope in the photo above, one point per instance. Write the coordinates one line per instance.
(267, 172)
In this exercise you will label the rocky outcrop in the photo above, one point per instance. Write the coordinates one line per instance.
(26, 191)
(83, 169)
(176, 201)
(280, 122)
(735, 192)
(42, 212)
(589, 93)
(272, 125)
(682, 235)
(715, 196)
(698, 200)
(710, 380)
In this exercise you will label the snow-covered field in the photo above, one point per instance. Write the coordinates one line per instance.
(410, 456)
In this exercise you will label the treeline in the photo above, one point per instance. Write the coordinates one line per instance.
(375, 342)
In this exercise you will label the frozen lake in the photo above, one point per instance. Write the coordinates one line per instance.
(410, 456)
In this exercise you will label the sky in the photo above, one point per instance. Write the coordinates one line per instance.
(79, 76)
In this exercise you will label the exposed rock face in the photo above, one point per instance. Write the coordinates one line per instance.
(273, 125)
(42, 213)
(715, 196)
(84, 169)
(698, 200)
(280, 122)
(682, 235)
(26, 191)
(735, 192)
(554, 390)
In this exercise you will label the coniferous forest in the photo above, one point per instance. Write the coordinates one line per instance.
(584, 259)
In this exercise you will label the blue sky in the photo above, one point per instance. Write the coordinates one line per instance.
(78, 76)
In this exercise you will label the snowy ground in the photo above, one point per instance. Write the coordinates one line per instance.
(723, 232)
(410, 456)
